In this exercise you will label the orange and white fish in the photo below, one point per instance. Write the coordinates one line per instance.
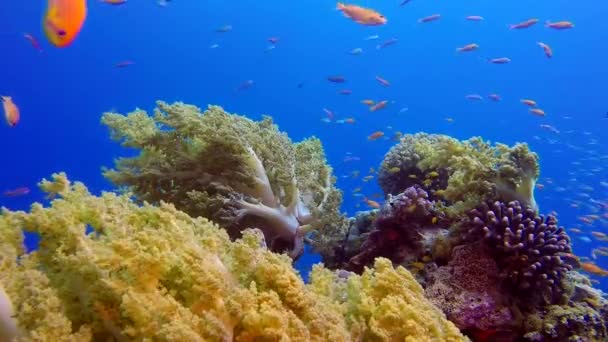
(375, 136)
(383, 81)
(378, 106)
(524, 24)
(559, 25)
(11, 111)
(528, 102)
(537, 111)
(361, 15)
(63, 21)
(468, 47)
(546, 48)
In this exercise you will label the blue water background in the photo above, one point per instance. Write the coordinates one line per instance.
(63, 92)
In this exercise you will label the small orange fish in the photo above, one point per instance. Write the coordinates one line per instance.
(524, 24)
(11, 112)
(559, 25)
(429, 18)
(378, 106)
(592, 268)
(383, 81)
(375, 136)
(546, 48)
(468, 47)
(537, 111)
(363, 16)
(527, 102)
(63, 21)
(349, 120)
(368, 102)
(114, 2)
(371, 203)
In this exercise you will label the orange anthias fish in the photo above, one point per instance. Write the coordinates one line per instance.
(592, 268)
(363, 16)
(371, 203)
(559, 25)
(11, 112)
(523, 24)
(375, 136)
(546, 48)
(527, 102)
(537, 111)
(378, 106)
(63, 21)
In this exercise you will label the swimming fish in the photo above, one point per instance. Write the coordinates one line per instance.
(468, 47)
(474, 18)
(11, 112)
(114, 2)
(528, 102)
(21, 191)
(383, 81)
(523, 24)
(375, 136)
(559, 25)
(363, 16)
(63, 21)
(499, 60)
(429, 18)
(33, 41)
(546, 48)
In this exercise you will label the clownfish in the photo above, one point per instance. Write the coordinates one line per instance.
(63, 21)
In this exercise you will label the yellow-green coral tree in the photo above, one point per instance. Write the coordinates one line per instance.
(235, 171)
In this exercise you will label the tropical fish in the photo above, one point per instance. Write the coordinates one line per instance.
(124, 64)
(523, 24)
(546, 48)
(336, 79)
(387, 43)
(21, 191)
(63, 21)
(273, 40)
(495, 97)
(355, 51)
(368, 102)
(499, 60)
(363, 16)
(594, 269)
(345, 92)
(375, 136)
(528, 102)
(475, 97)
(371, 203)
(430, 18)
(114, 2)
(11, 111)
(474, 18)
(559, 25)
(378, 106)
(224, 29)
(537, 111)
(33, 41)
(468, 47)
(383, 81)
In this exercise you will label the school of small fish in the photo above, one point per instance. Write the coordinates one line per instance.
(64, 20)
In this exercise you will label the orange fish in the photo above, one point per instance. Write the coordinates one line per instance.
(371, 203)
(16, 192)
(383, 81)
(523, 24)
(546, 49)
(368, 102)
(63, 21)
(114, 2)
(468, 47)
(378, 106)
(375, 136)
(559, 25)
(11, 112)
(527, 102)
(349, 120)
(537, 111)
(592, 268)
(363, 16)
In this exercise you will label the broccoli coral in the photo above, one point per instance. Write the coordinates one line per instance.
(109, 269)
(461, 173)
(235, 171)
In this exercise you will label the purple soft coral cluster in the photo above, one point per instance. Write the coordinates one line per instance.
(398, 229)
(406, 208)
(534, 252)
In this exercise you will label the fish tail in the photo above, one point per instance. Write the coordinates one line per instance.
(340, 6)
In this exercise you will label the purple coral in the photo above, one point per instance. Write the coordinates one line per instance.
(532, 250)
(398, 230)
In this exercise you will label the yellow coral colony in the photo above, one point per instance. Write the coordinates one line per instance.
(108, 269)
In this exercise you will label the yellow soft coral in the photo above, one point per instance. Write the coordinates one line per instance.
(109, 269)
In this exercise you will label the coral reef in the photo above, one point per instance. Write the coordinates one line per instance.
(110, 269)
(460, 173)
(402, 230)
(533, 252)
(235, 171)
(468, 290)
